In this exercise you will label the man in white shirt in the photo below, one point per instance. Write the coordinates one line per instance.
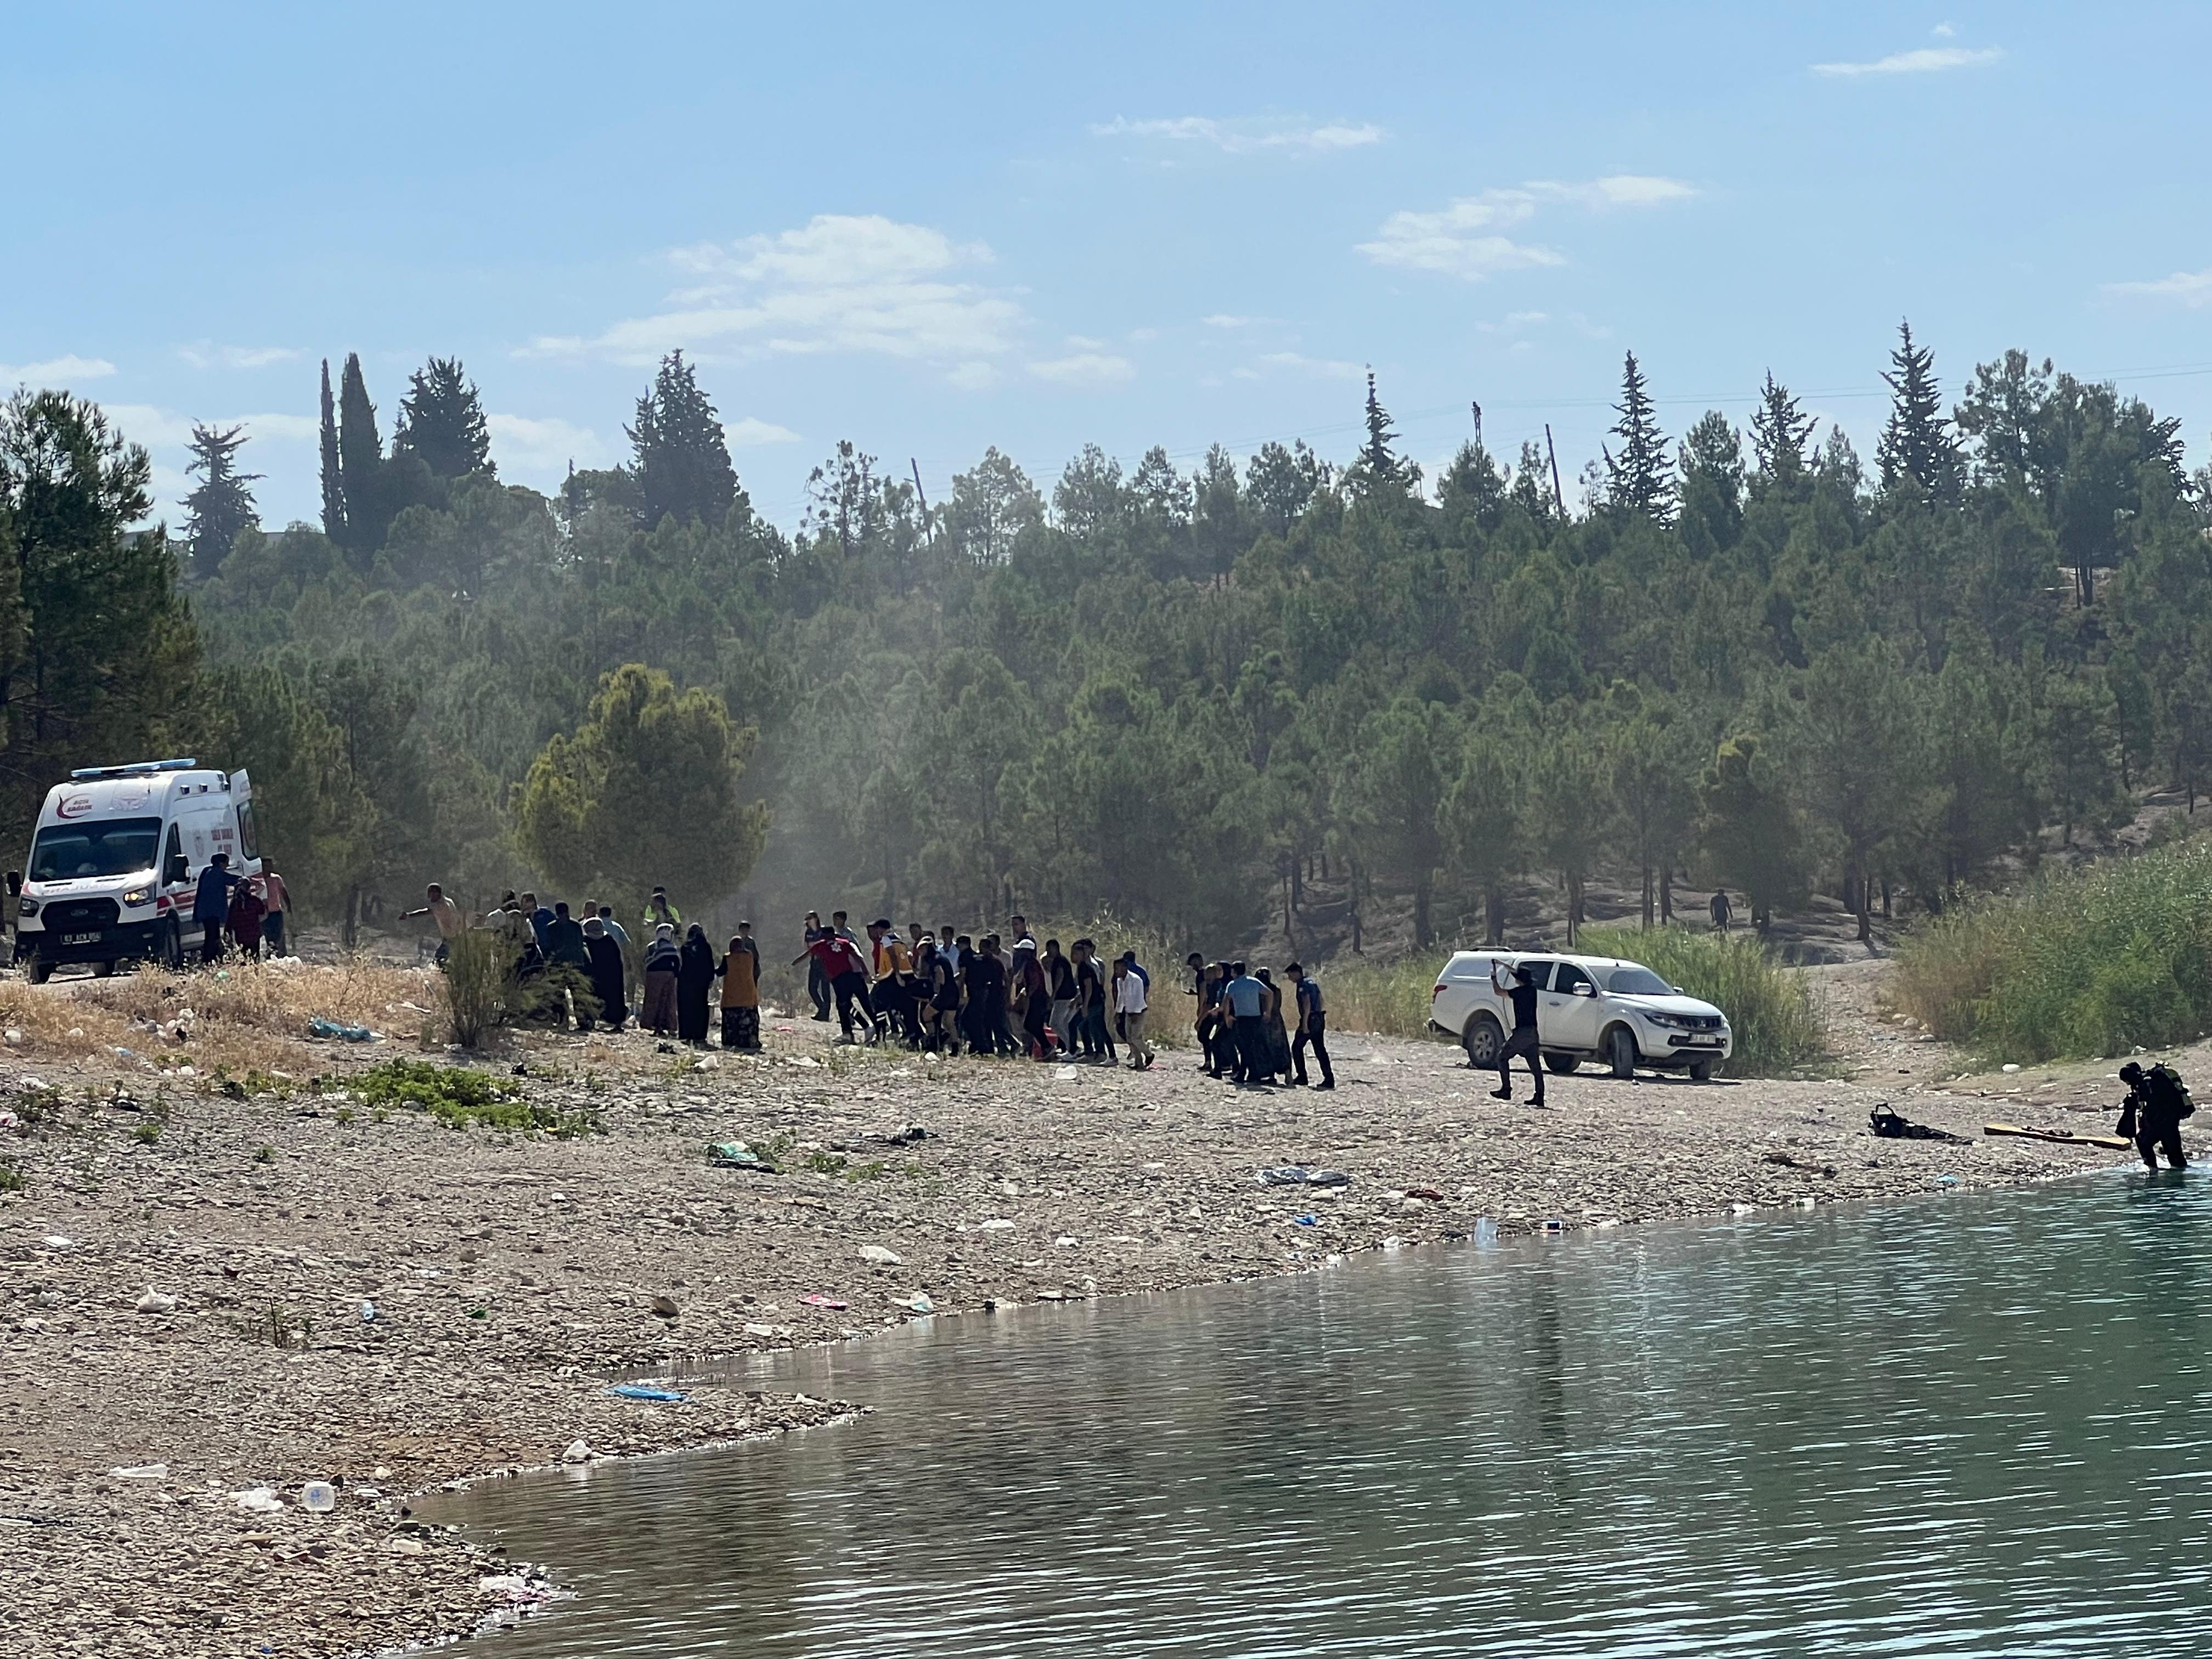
(1129, 1003)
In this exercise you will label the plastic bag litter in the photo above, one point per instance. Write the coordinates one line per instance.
(645, 1391)
(321, 1027)
(735, 1155)
(1293, 1174)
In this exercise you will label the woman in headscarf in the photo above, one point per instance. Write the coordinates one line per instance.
(694, 977)
(662, 959)
(605, 973)
(247, 910)
(741, 972)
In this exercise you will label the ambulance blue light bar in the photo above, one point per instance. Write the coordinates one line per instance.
(137, 769)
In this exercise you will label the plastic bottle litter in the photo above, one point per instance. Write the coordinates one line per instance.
(1485, 1231)
(578, 1452)
(646, 1391)
(319, 1497)
(258, 1500)
(369, 1313)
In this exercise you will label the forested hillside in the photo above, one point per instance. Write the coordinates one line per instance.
(1175, 695)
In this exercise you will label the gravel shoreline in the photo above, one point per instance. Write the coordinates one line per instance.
(516, 1277)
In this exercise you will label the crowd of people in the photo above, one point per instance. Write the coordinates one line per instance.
(932, 990)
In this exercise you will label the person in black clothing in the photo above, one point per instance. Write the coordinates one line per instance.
(1312, 1027)
(606, 973)
(817, 977)
(2157, 1103)
(1523, 991)
(695, 978)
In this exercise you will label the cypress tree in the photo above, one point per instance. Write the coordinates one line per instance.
(334, 504)
(1917, 451)
(360, 463)
(221, 505)
(442, 420)
(1640, 479)
(682, 464)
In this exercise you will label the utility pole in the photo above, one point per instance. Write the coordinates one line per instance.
(1559, 500)
(1477, 408)
(919, 496)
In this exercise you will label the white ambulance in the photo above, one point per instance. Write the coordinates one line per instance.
(115, 860)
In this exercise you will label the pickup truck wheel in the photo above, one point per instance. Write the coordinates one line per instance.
(1621, 1051)
(1482, 1039)
(1701, 1071)
(38, 970)
(102, 969)
(1561, 1064)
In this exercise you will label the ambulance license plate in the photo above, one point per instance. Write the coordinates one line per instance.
(80, 939)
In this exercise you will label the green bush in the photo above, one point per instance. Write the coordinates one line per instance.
(1389, 997)
(459, 1096)
(1769, 1006)
(2081, 962)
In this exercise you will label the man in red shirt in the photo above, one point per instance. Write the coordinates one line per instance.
(848, 970)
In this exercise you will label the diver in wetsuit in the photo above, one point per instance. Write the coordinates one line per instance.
(2157, 1102)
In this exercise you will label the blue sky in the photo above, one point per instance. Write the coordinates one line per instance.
(930, 230)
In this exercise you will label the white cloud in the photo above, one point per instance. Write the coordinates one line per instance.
(1248, 135)
(525, 443)
(56, 370)
(205, 354)
(752, 432)
(973, 377)
(1922, 60)
(1085, 368)
(1942, 31)
(1084, 343)
(1466, 237)
(2192, 288)
(839, 284)
(1327, 368)
(1222, 319)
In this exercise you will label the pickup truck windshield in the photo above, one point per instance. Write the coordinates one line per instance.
(113, 847)
(1636, 982)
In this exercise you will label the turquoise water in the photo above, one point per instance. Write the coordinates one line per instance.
(1974, 1425)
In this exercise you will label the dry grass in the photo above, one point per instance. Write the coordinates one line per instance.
(244, 1016)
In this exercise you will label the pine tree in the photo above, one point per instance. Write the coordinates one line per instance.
(1377, 458)
(1779, 431)
(442, 420)
(221, 505)
(1640, 479)
(361, 465)
(334, 506)
(682, 464)
(1917, 451)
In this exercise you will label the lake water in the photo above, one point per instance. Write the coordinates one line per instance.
(1972, 1425)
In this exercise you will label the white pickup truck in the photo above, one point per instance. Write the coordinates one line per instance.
(1597, 1008)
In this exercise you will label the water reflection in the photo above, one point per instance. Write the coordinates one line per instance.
(1968, 1426)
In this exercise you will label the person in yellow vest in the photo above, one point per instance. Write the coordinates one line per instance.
(740, 974)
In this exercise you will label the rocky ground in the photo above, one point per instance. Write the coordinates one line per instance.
(184, 1310)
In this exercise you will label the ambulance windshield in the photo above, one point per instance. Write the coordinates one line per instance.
(116, 847)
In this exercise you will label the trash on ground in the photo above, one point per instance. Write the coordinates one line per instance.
(1890, 1126)
(1428, 1193)
(817, 1300)
(997, 1224)
(260, 1500)
(142, 1472)
(578, 1452)
(322, 1027)
(645, 1391)
(1067, 1073)
(881, 1257)
(319, 1497)
(154, 1302)
(665, 1306)
(735, 1155)
(918, 1303)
